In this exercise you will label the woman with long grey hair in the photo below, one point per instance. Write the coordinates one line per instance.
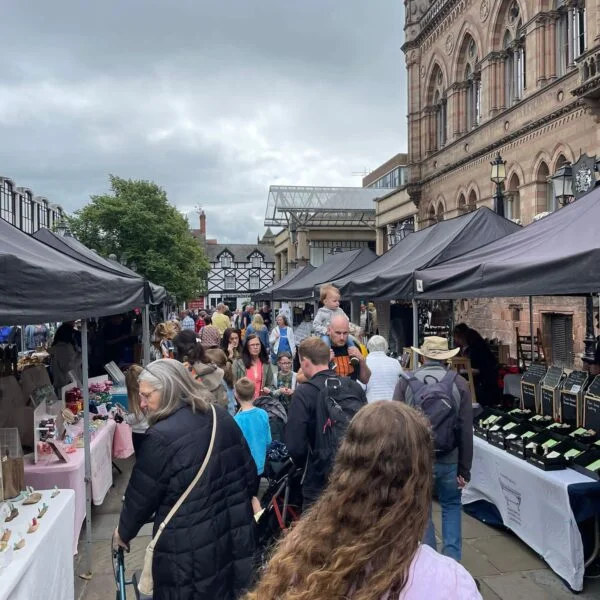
(206, 549)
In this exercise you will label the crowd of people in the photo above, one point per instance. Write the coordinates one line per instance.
(224, 389)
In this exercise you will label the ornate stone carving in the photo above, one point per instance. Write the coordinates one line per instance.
(422, 71)
(484, 10)
(449, 44)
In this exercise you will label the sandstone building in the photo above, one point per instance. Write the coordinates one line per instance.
(515, 77)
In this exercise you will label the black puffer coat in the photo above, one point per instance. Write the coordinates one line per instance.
(206, 550)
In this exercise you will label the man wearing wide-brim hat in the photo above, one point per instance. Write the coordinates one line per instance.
(452, 469)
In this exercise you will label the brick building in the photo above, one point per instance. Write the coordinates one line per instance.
(516, 77)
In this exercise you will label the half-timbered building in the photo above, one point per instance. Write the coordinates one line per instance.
(237, 271)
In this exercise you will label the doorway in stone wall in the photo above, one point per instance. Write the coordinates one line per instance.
(557, 333)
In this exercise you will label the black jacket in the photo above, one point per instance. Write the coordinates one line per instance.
(300, 429)
(206, 550)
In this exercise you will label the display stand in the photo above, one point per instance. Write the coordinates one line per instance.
(408, 359)
(571, 398)
(462, 365)
(591, 406)
(550, 392)
(530, 387)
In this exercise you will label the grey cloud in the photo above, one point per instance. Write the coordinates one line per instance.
(214, 101)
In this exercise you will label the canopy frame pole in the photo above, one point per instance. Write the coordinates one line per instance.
(415, 307)
(145, 335)
(86, 447)
(531, 328)
(452, 324)
(22, 328)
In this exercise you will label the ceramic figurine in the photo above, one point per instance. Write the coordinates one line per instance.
(20, 544)
(33, 498)
(33, 526)
(14, 513)
(5, 536)
(56, 492)
(42, 511)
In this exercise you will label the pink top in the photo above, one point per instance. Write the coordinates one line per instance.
(437, 577)
(255, 374)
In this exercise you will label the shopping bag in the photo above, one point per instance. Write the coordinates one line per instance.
(123, 441)
(13, 476)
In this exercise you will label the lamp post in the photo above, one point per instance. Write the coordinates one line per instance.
(589, 354)
(498, 176)
(562, 184)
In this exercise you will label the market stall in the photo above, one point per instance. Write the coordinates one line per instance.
(43, 567)
(535, 504)
(390, 276)
(293, 276)
(306, 286)
(50, 471)
(538, 466)
(38, 284)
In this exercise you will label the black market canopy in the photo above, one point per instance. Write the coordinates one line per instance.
(40, 284)
(557, 255)
(72, 247)
(293, 275)
(338, 265)
(391, 275)
(308, 206)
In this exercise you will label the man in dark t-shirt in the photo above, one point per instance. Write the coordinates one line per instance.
(348, 360)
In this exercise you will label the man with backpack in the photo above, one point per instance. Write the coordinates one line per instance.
(319, 414)
(444, 397)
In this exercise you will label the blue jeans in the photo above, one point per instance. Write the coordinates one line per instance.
(446, 489)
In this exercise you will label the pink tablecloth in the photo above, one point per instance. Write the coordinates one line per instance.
(71, 475)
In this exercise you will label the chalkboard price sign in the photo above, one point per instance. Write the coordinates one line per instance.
(528, 396)
(548, 401)
(553, 377)
(534, 374)
(594, 389)
(575, 382)
(591, 407)
(568, 408)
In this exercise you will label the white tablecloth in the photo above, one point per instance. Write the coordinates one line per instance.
(534, 504)
(71, 475)
(44, 567)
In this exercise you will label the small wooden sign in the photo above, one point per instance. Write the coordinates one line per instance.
(463, 364)
(549, 401)
(529, 396)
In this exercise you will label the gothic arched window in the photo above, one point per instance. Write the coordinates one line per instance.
(472, 83)
(513, 45)
(437, 110)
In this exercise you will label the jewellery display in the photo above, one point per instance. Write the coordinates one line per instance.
(55, 492)
(33, 526)
(14, 513)
(42, 511)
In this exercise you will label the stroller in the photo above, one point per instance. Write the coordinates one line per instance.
(277, 415)
(282, 501)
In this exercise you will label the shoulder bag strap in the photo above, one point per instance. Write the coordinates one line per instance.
(194, 482)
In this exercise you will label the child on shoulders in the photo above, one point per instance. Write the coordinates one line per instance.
(330, 297)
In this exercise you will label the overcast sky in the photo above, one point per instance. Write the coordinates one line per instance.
(213, 100)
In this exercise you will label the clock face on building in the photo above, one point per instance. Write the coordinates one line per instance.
(583, 180)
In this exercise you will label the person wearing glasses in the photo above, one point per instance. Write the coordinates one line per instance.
(286, 379)
(254, 364)
(206, 550)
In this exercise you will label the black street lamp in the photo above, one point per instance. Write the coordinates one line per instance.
(589, 354)
(498, 176)
(562, 184)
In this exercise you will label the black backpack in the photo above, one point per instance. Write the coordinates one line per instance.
(436, 400)
(340, 398)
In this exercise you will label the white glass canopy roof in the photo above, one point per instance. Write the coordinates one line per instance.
(302, 206)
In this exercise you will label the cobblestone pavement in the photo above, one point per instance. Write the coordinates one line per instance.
(505, 567)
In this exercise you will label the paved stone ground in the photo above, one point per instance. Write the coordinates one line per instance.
(506, 568)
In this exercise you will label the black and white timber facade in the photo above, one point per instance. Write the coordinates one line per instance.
(237, 271)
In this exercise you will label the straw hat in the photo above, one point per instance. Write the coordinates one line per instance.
(436, 348)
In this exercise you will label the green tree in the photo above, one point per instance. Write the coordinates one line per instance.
(136, 222)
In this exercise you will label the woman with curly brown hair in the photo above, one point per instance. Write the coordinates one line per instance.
(362, 539)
